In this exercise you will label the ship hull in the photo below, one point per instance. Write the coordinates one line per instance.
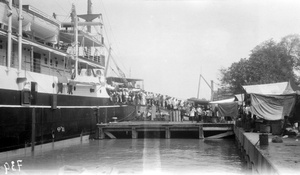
(73, 116)
(42, 99)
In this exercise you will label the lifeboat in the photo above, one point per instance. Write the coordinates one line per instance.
(35, 22)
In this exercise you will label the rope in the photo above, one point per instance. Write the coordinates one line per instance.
(129, 115)
(112, 33)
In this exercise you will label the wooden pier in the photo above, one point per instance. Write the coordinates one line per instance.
(217, 130)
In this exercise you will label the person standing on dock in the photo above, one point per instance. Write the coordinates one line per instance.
(192, 113)
(199, 113)
(209, 113)
(182, 112)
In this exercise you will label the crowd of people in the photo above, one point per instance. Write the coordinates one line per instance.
(187, 109)
(141, 97)
(197, 113)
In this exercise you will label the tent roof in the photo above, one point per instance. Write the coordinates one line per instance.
(239, 97)
(223, 101)
(273, 88)
(198, 101)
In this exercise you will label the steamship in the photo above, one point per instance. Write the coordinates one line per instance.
(52, 76)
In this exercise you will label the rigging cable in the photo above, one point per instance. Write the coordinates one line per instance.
(112, 33)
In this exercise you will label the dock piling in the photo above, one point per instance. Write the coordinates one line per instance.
(201, 133)
(134, 133)
(101, 133)
(168, 133)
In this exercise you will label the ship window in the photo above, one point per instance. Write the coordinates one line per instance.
(92, 90)
(36, 62)
(51, 62)
(46, 60)
(56, 63)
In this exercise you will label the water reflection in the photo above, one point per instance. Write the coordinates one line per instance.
(139, 156)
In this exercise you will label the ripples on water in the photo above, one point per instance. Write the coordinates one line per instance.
(139, 156)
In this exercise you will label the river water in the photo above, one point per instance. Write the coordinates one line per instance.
(137, 156)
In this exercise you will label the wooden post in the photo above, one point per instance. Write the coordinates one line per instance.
(105, 116)
(201, 133)
(134, 133)
(168, 133)
(101, 132)
(33, 130)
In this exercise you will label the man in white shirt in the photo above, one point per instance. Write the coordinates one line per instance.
(192, 113)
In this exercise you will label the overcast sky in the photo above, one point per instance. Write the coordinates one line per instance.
(168, 43)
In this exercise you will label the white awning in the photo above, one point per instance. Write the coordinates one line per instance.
(223, 101)
(270, 89)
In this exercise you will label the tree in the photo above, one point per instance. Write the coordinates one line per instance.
(269, 62)
(236, 75)
(291, 43)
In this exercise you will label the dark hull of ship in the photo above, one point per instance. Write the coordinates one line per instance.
(52, 117)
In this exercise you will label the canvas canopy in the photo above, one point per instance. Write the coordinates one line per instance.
(228, 109)
(223, 101)
(197, 101)
(239, 97)
(273, 88)
(272, 107)
(273, 101)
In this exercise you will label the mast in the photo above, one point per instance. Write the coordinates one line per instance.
(89, 11)
(211, 86)
(75, 20)
(9, 35)
(20, 18)
(198, 86)
(212, 90)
